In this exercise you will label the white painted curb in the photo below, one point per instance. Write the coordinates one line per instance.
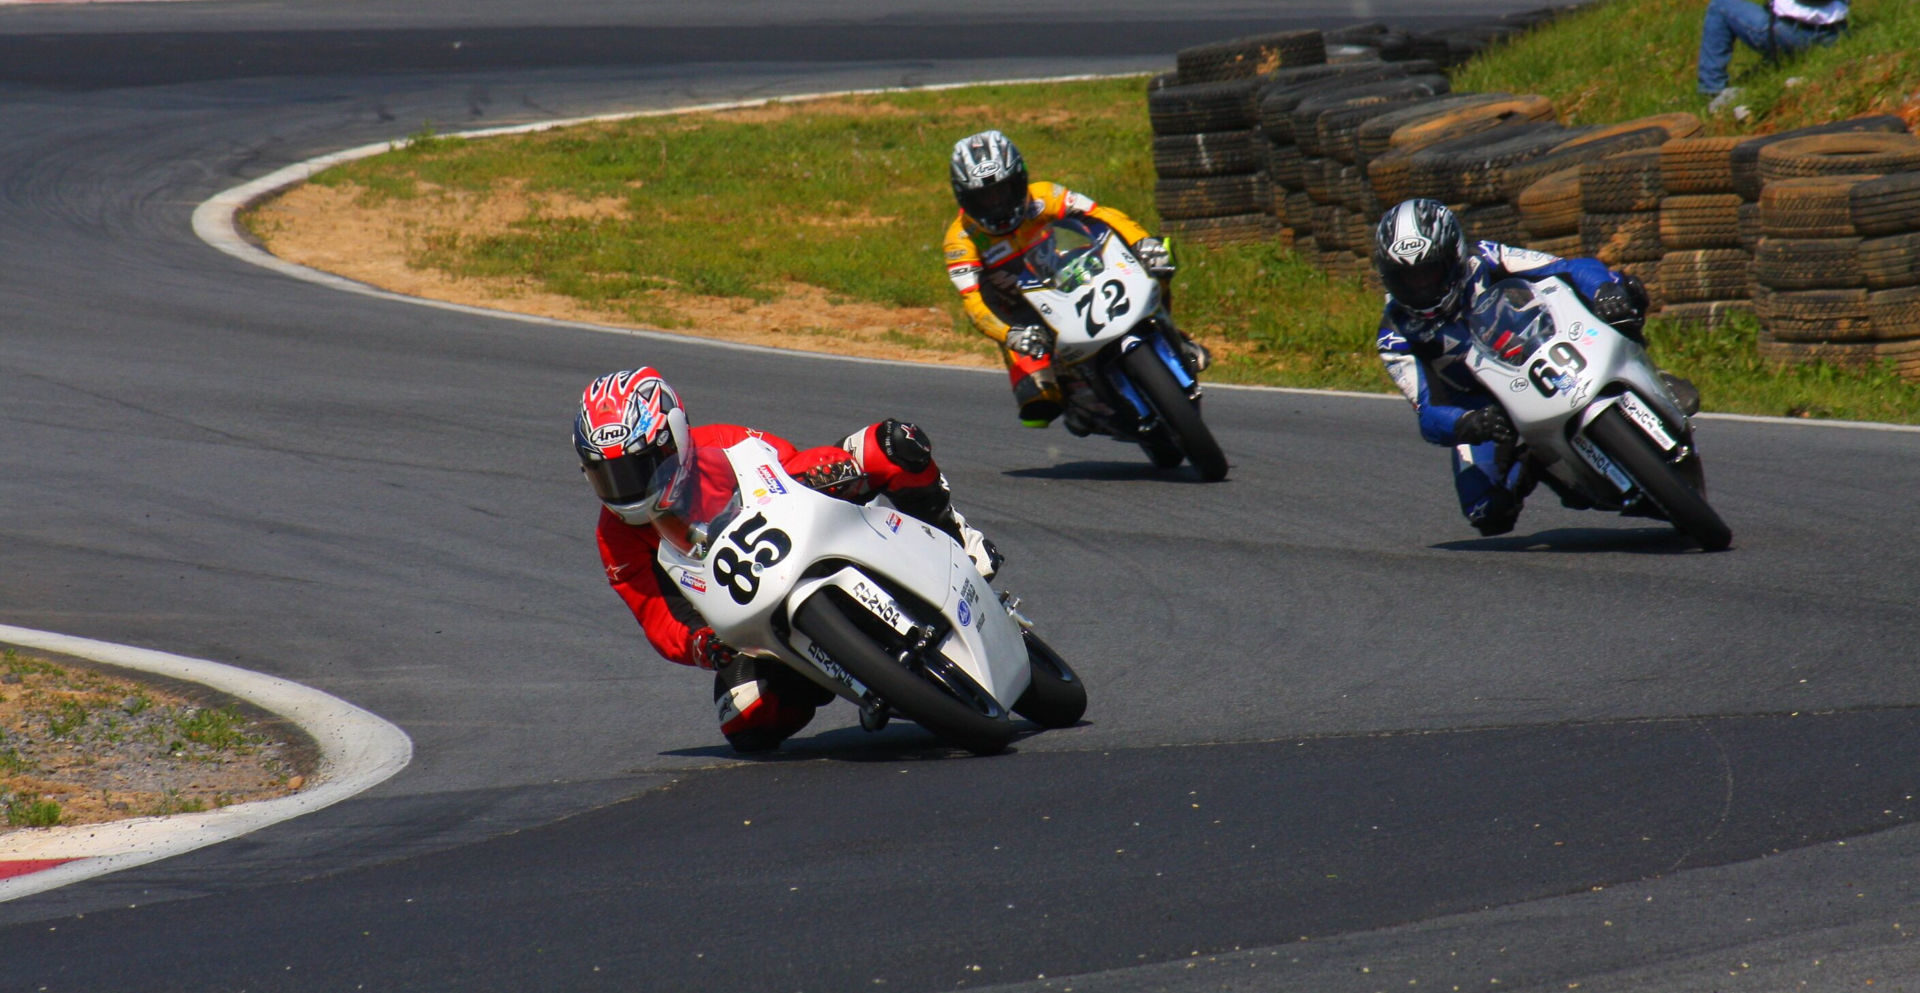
(357, 751)
(214, 223)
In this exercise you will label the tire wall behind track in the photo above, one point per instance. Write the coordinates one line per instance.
(1305, 138)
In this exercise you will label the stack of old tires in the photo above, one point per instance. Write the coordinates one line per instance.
(1835, 276)
(1208, 151)
(1333, 201)
(1545, 191)
(1458, 150)
(1704, 273)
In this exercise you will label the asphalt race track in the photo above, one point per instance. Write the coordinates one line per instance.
(1336, 742)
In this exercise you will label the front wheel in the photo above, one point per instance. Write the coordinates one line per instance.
(1056, 698)
(1639, 458)
(1180, 414)
(964, 723)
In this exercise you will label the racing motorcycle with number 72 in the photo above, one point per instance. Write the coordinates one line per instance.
(871, 604)
(1121, 363)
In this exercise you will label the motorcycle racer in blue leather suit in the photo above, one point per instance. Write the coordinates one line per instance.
(1432, 276)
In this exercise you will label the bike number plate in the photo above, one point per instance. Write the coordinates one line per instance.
(1601, 464)
(1648, 421)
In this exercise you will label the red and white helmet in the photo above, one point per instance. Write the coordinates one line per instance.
(631, 436)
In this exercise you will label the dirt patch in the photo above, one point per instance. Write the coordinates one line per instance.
(339, 230)
(84, 745)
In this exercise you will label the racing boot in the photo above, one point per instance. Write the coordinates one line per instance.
(1684, 392)
(986, 558)
(1038, 394)
(1198, 357)
(1496, 514)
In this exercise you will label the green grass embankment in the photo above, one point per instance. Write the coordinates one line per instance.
(850, 195)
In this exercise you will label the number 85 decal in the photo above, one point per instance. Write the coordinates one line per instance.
(1548, 379)
(1114, 293)
(741, 576)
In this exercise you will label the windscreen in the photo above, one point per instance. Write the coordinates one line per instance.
(701, 502)
(1510, 322)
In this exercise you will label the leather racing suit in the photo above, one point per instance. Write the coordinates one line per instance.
(761, 704)
(983, 268)
(1427, 361)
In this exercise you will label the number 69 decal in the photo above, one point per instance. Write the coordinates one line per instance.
(1114, 293)
(1548, 378)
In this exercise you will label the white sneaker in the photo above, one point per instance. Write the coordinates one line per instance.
(1723, 99)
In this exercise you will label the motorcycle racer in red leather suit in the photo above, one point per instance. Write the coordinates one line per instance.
(635, 446)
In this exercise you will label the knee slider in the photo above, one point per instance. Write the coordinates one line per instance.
(905, 445)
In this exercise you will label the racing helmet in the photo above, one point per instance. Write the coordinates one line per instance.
(1421, 254)
(990, 181)
(632, 438)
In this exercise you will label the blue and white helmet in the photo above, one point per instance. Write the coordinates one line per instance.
(990, 181)
(1421, 254)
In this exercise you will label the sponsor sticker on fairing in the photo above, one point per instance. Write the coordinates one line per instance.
(893, 522)
(966, 614)
(773, 482)
(692, 581)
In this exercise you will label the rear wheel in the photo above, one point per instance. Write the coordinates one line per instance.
(968, 718)
(1056, 698)
(1661, 480)
(1180, 414)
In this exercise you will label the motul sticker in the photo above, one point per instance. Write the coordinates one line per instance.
(773, 482)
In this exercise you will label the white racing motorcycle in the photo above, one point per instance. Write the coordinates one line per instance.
(1594, 416)
(1118, 356)
(869, 603)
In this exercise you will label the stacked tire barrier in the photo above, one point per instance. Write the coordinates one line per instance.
(1835, 276)
(1305, 138)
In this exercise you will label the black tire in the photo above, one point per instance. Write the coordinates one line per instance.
(1627, 445)
(1056, 698)
(1181, 415)
(1161, 449)
(825, 620)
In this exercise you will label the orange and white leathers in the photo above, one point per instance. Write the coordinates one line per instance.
(981, 265)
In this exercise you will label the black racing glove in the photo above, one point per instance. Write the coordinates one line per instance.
(1488, 423)
(1031, 340)
(1623, 304)
(1156, 256)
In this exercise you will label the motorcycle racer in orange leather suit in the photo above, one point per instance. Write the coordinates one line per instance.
(1001, 217)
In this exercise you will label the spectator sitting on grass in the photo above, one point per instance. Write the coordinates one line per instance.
(1780, 26)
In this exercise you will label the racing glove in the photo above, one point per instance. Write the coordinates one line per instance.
(710, 651)
(1156, 256)
(1488, 423)
(1623, 304)
(1031, 340)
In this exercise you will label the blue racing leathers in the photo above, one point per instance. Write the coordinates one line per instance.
(1427, 361)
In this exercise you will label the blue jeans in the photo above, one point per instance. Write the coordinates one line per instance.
(1730, 19)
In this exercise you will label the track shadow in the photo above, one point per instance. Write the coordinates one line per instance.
(900, 741)
(1089, 470)
(1656, 540)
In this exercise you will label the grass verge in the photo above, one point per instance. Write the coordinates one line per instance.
(81, 746)
(849, 196)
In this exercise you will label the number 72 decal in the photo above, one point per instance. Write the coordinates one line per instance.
(1114, 292)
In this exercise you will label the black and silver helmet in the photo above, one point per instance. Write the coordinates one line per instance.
(990, 181)
(1421, 254)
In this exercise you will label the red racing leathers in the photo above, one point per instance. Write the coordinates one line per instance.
(760, 706)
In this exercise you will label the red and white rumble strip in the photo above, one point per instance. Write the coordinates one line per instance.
(357, 751)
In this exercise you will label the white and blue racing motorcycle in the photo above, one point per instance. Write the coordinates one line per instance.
(1595, 418)
(1120, 360)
